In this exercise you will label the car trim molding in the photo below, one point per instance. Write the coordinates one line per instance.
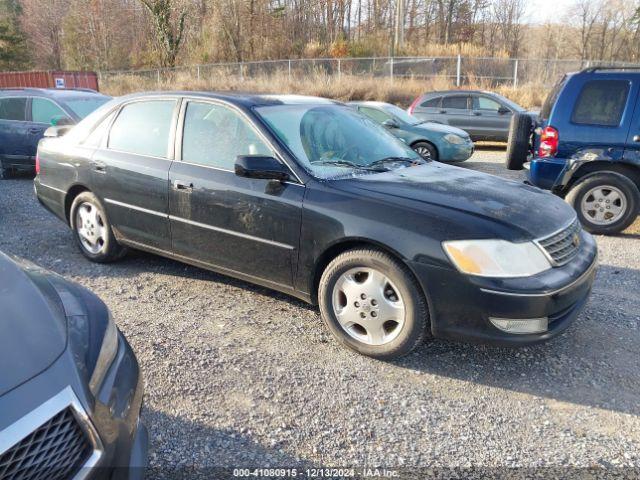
(133, 207)
(20, 429)
(40, 184)
(201, 225)
(231, 232)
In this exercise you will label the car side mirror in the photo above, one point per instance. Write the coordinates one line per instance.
(390, 123)
(503, 110)
(57, 131)
(61, 120)
(261, 166)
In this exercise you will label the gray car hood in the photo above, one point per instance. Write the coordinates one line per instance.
(32, 324)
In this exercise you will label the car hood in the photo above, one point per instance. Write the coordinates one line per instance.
(433, 127)
(32, 324)
(534, 213)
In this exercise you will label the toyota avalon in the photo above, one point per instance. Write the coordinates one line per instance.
(306, 196)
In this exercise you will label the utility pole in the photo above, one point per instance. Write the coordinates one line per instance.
(399, 33)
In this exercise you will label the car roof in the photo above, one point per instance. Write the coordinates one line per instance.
(59, 93)
(370, 103)
(239, 98)
(457, 92)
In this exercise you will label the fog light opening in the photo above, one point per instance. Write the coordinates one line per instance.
(521, 325)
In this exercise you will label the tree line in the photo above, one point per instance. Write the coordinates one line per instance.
(128, 34)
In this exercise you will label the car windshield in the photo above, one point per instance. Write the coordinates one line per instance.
(401, 114)
(83, 106)
(332, 141)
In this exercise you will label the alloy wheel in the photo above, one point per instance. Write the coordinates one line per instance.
(91, 228)
(423, 152)
(368, 306)
(604, 205)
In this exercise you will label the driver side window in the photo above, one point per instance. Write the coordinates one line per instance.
(375, 115)
(215, 135)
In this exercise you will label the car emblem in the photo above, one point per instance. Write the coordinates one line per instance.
(576, 240)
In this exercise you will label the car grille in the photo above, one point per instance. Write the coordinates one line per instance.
(561, 247)
(55, 450)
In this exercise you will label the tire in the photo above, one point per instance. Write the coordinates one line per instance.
(606, 190)
(518, 141)
(425, 150)
(389, 289)
(97, 229)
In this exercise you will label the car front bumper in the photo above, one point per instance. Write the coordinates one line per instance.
(450, 152)
(110, 419)
(461, 307)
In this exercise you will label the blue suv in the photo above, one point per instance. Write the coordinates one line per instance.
(25, 114)
(585, 146)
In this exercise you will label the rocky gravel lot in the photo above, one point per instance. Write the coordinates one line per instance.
(240, 376)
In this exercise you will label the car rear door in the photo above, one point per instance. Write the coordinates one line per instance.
(236, 224)
(456, 111)
(14, 131)
(429, 109)
(490, 118)
(131, 173)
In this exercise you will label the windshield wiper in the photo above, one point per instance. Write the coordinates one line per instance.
(344, 163)
(410, 161)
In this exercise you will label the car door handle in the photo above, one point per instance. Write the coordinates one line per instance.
(35, 131)
(99, 167)
(477, 114)
(182, 185)
(636, 138)
(442, 111)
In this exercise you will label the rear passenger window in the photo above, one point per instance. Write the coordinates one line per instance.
(143, 128)
(459, 103)
(375, 115)
(601, 102)
(94, 139)
(13, 109)
(432, 103)
(45, 111)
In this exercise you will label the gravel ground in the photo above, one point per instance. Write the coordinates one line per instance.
(239, 376)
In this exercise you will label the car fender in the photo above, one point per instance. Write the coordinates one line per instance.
(596, 159)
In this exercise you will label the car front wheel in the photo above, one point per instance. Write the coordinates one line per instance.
(425, 150)
(606, 202)
(92, 230)
(372, 304)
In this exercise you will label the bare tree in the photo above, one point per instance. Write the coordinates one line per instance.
(168, 35)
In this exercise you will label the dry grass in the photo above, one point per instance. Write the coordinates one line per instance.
(400, 91)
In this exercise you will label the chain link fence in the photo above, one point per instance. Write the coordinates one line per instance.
(459, 70)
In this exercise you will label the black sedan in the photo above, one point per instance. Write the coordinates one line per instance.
(306, 196)
(70, 387)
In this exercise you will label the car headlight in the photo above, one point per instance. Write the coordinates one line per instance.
(496, 258)
(454, 139)
(108, 351)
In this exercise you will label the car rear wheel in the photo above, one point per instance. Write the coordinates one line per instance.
(425, 150)
(372, 304)
(606, 202)
(92, 230)
(518, 141)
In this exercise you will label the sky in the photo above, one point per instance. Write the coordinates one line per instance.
(541, 11)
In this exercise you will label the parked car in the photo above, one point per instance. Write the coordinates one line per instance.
(430, 140)
(586, 146)
(483, 115)
(70, 386)
(26, 113)
(306, 196)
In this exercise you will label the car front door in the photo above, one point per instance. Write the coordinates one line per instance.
(131, 172)
(43, 113)
(490, 119)
(14, 131)
(236, 224)
(456, 111)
